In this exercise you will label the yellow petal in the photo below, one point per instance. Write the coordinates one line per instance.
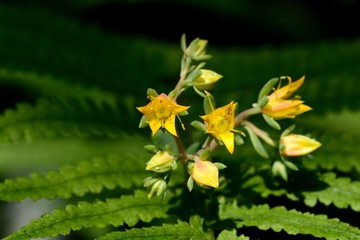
(169, 125)
(294, 86)
(145, 109)
(155, 125)
(280, 109)
(286, 91)
(179, 108)
(228, 139)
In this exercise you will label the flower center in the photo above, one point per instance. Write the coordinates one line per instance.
(219, 124)
(162, 109)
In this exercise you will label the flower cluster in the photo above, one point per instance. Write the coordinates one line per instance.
(220, 126)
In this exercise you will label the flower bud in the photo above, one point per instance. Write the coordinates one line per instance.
(205, 174)
(197, 47)
(207, 79)
(156, 186)
(279, 169)
(297, 145)
(162, 161)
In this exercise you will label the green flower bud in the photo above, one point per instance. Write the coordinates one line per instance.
(197, 47)
(156, 186)
(207, 79)
(161, 162)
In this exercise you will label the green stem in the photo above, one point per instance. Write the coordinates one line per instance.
(181, 149)
(260, 133)
(185, 67)
(245, 114)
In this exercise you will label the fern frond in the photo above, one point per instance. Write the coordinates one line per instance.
(342, 192)
(291, 221)
(54, 153)
(325, 188)
(231, 234)
(48, 86)
(87, 176)
(116, 212)
(62, 117)
(181, 230)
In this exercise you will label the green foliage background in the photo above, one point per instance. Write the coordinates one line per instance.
(69, 126)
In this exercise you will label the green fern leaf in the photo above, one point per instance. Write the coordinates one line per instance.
(181, 230)
(325, 188)
(340, 191)
(69, 150)
(291, 221)
(87, 176)
(231, 234)
(116, 212)
(50, 119)
(50, 87)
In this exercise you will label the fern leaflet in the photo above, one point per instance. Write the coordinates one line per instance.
(49, 87)
(340, 191)
(69, 150)
(116, 212)
(231, 234)
(291, 221)
(325, 188)
(49, 119)
(87, 176)
(181, 230)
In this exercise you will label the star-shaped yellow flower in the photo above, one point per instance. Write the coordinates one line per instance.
(161, 112)
(280, 106)
(220, 124)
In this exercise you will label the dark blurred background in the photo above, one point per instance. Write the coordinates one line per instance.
(231, 23)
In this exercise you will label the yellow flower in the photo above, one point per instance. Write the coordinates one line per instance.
(280, 106)
(205, 174)
(297, 145)
(220, 124)
(161, 112)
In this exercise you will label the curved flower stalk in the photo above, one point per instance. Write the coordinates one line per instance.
(161, 113)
